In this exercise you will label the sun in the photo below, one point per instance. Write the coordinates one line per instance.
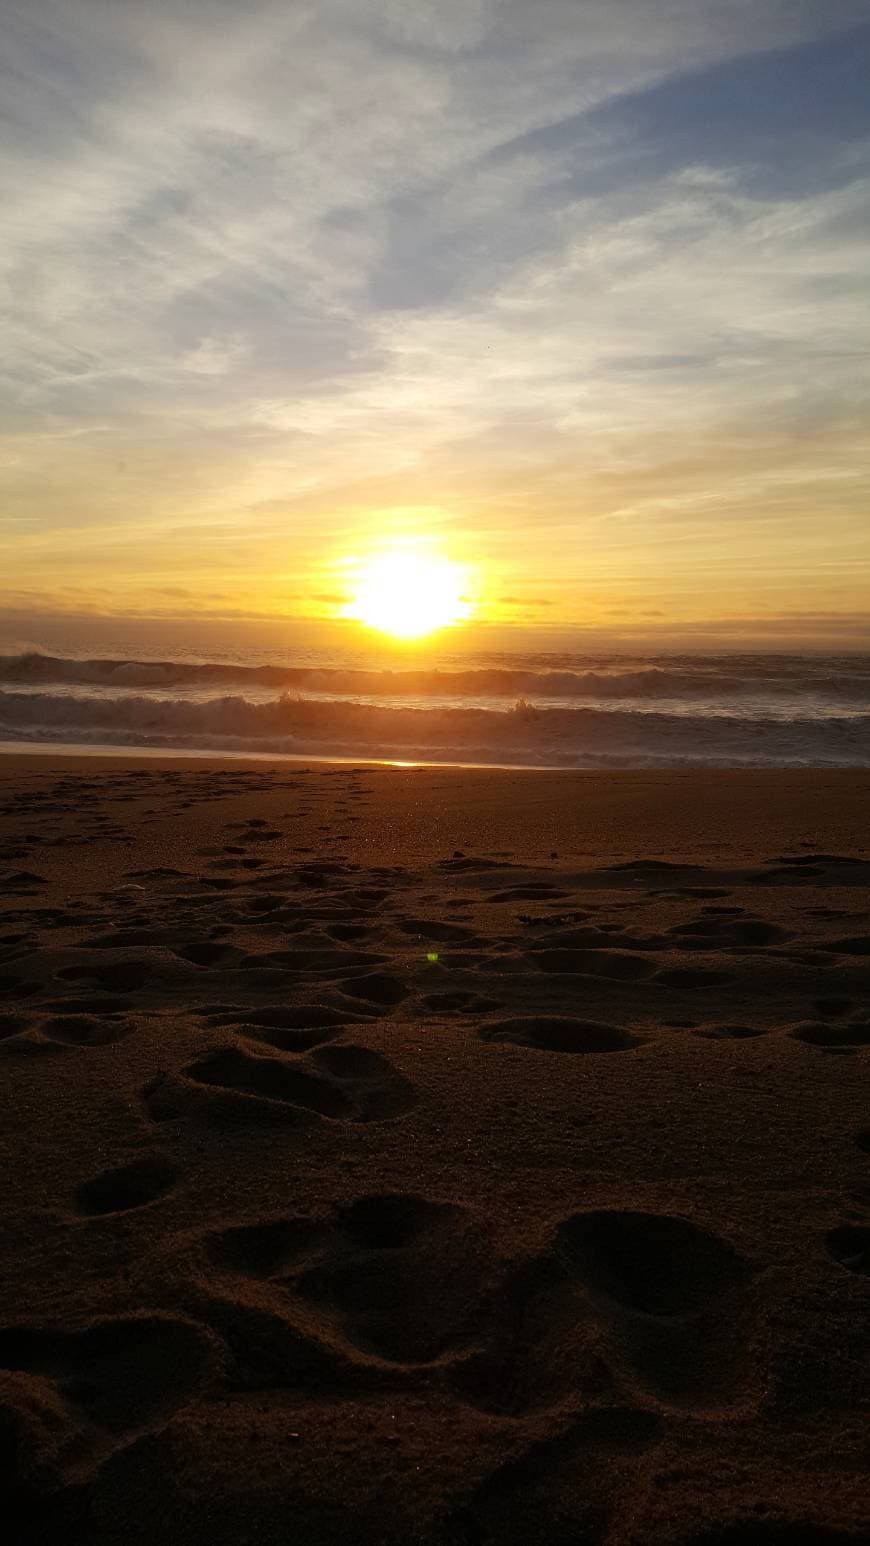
(408, 595)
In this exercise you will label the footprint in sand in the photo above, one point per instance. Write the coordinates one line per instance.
(22, 882)
(121, 939)
(619, 1301)
(460, 1002)
(615, 964)
(539, 1344)
(563, 1489)
(15, 987)
(592, 937)
(322, 961)
(348, 933)
(534, 892)
(441, 933)
(646, 867)
(114, 976)
(818, 1033)
(134, 1185)
(13, 941)
(730, 934)
(344, 1083)
(835, 1007)
(850, 1246)
(654, 1263)
(693, 977)
(377, 988)
(84, 1030)
(208, 953)
(295, 1028)
(561, 1033)
(674, 1295)
(108, 1007)
(397, 1278)
(118, 1374)
(12, 1025)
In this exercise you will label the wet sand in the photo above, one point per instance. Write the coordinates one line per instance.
(433, 1156)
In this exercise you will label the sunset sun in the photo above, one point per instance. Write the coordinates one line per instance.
(408, 595)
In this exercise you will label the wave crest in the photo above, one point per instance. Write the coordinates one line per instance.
(524, 735)
(690, 678)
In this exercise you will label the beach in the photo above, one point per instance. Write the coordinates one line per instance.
(433, 1155)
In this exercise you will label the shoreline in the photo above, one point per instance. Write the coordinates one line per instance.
(197, 755)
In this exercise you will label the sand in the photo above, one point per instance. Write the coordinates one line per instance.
(433, 1156)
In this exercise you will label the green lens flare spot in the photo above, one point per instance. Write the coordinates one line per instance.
(432, 955)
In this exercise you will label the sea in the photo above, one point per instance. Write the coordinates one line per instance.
(568, 709)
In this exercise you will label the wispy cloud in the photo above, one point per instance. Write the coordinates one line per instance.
(596, 269)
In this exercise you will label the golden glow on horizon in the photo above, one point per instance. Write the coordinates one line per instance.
(408, 595)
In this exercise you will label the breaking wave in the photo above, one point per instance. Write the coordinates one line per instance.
(693, 678)
(523, 735)
(566, 710)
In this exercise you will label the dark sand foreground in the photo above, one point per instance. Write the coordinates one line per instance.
(433, 1158)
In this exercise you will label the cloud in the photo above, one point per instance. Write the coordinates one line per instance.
(591, 271)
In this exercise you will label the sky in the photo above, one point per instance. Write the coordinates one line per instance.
(571, 292)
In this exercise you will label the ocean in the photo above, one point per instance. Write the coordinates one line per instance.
(561, 710)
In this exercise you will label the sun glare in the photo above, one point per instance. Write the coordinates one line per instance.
(408, 595)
